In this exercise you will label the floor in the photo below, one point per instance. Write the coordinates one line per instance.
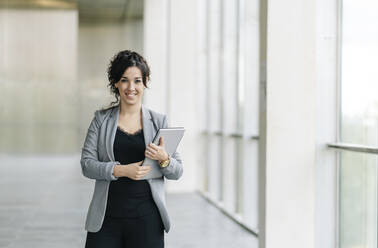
(43, 203)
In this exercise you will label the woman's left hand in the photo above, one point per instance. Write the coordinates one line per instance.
(156, 152)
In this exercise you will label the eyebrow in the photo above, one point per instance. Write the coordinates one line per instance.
(135, 77)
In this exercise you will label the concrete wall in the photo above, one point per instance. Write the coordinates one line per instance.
(38, 89)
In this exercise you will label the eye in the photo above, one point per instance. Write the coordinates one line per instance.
(123, 80)
(138, 81)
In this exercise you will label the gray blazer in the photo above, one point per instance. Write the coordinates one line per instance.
(97, 162)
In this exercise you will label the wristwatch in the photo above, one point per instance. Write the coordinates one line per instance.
(165, 163)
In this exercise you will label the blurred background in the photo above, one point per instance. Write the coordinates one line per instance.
(279, 100)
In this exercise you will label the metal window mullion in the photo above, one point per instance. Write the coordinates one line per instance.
(221, 99)
(207, 94)
(338, 121)
(240, 99)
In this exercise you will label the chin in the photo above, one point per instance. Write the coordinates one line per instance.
(128, 102)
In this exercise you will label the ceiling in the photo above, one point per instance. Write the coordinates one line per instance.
(89, 10)
(112, 10)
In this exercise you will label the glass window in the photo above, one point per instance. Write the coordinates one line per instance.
(229, 57)
(359, 123)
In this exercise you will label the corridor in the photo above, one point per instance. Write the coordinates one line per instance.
(44, 201)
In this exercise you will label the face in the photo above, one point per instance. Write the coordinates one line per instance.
(131, 86)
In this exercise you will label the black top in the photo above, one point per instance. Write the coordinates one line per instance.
(125, 194)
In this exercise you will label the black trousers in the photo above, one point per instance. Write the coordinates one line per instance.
(142, 232)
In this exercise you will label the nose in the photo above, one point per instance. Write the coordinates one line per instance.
(131, 86)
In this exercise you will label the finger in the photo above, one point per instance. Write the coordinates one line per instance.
(145, 168)
(151, 150)
(147, 153)
(142, 172)
(142, 169)
(161, 141)
(135, 178)
(153, 147)
(140, 175)
(150, 155)
(154, 155)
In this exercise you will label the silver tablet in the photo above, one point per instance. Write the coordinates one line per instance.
(171, 137)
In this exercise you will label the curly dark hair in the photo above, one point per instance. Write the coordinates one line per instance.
(119, 64)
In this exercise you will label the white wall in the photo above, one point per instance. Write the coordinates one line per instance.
(169, 48)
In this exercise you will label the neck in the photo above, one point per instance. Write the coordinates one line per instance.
(127, 110)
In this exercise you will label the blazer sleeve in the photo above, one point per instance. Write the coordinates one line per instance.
(174, 169)
(90, 165)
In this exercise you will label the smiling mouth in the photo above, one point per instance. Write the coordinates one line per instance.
(130, 94)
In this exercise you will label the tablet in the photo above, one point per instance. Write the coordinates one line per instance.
(172, 137)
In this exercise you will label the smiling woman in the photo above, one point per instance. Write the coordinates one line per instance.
(126, 210)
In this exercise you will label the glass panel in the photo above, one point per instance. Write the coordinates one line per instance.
(229, 70)
(229, 66)
(250, 182)
(214, 166)
(214, 78)
(202, 67)
(358, 72)
(229, 181)
(358, 200)
(203, 157)
(359, 123)
(249, 32)
(248, 112)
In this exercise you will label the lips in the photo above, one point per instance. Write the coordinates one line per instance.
(130, 94)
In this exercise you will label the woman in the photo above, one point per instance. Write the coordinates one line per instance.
(127, 210)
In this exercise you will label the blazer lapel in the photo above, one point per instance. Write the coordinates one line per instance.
(148, 130)
(111, 131)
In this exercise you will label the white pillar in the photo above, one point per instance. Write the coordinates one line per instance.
(291, 126)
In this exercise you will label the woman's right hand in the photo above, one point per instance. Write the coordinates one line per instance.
(135, 171)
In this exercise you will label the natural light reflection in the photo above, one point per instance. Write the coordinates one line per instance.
(359, 75)
(359, 123)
